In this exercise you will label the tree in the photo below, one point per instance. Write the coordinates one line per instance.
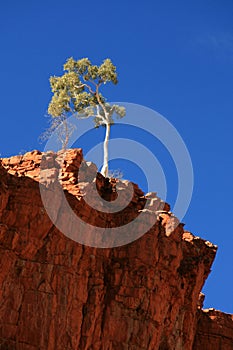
(61, 127)
(78, 90)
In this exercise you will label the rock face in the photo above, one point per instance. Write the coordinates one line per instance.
(214, 331)
(57, 294)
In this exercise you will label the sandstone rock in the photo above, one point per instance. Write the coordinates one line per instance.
(214, 330)
(57, 294)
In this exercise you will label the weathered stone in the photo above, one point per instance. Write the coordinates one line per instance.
(214, 331)
(58, 294)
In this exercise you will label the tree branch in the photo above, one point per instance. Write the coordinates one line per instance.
(101, 104)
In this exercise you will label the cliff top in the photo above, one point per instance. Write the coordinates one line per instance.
(76, 296)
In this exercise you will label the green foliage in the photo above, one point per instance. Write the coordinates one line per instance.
(99, 116)
(107, 72)
(78, 89)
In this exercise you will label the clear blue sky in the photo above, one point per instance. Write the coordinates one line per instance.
(175, 57)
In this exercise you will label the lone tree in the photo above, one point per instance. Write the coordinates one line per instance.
(78, 90)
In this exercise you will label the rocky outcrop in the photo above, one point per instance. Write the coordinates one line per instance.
(59, 294)
(214, 330)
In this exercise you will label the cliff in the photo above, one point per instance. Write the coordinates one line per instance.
(214, 330)
(56, 293)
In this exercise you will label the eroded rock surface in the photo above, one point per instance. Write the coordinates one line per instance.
(58, 294)
(214, 330)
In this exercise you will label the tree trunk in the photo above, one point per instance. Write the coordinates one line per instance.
(104, 170)
(65, 142)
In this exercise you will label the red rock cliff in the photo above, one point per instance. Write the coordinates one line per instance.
(57, 294)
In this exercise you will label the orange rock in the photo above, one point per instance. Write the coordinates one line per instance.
(58, 294)
(214, 330)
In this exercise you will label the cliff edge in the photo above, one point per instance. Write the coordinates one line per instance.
(57, 294)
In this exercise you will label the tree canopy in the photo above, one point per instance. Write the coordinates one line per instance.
(78, 90)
